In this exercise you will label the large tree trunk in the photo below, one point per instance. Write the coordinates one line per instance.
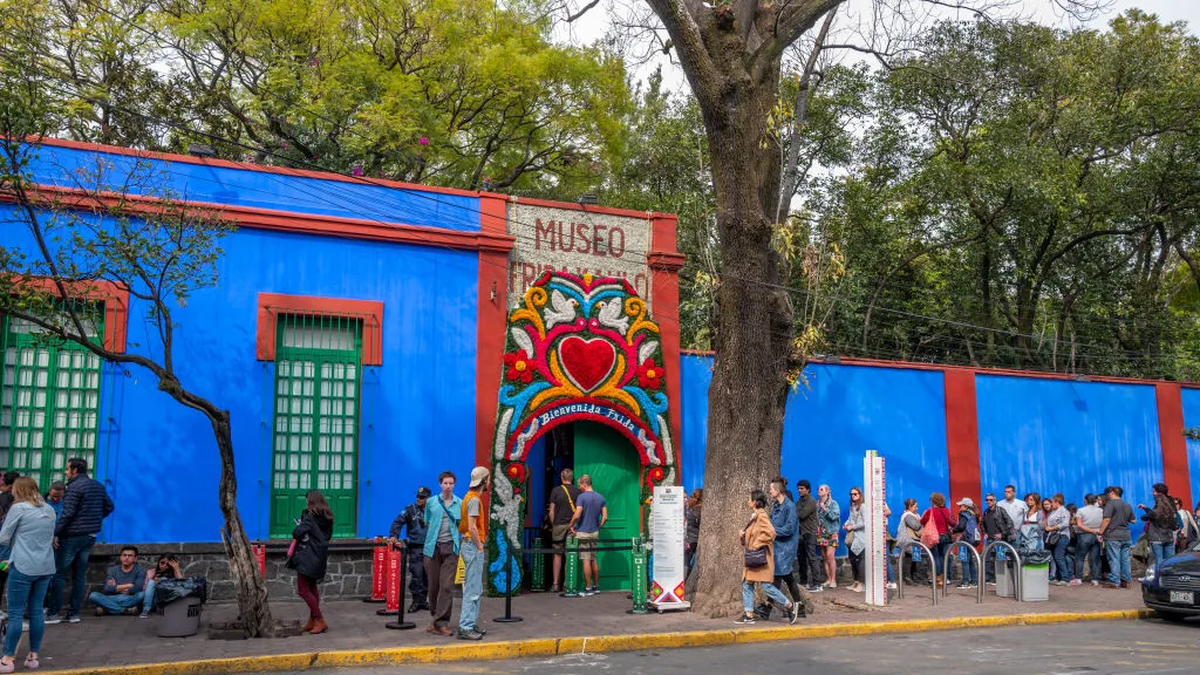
(253, 608)
(749, 386)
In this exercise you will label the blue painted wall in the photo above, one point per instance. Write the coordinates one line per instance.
(260, 189)
(1191, 420)
(1050, 436)
(829, 426)
(159, 459)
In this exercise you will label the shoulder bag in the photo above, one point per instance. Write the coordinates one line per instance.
(754, 558)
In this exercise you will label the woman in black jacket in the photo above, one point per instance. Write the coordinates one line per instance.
(310, 555)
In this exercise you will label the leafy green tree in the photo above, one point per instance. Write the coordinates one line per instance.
(59, 253)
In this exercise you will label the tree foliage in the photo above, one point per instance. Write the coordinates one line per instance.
(447, 92)
(1027, 197)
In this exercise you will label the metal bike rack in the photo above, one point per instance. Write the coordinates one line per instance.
(1016, 558)
(946, 567)
(900, 569)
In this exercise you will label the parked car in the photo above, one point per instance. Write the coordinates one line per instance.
(1172, 588)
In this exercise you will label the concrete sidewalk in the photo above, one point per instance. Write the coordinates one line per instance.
(101, 644)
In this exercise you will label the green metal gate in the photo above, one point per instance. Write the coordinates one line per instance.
(317, 381)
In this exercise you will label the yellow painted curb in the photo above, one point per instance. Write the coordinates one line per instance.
(515, 649)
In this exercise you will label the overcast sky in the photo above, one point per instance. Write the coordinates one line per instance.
(593, 25)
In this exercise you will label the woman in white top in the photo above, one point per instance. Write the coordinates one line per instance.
(29, 530)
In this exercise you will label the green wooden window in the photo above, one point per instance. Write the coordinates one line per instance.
(49, 401)
(317, 381)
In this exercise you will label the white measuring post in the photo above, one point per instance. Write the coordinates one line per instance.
(875, 556)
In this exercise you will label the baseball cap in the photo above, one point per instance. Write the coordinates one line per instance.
(423, 492)
(478, 475)
(966, 501)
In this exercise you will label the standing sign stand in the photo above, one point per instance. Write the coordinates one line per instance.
(667, 532)
(875, 560)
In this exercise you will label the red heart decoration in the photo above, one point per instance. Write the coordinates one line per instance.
(587, 363)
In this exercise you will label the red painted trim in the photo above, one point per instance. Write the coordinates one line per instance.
(491, 324)
(664, 292)
(1174, 445)
(1007, 372)
(284, 221)
(116, 305)
(370, 312)
(590, 208)
(962, 436)
(243, 166)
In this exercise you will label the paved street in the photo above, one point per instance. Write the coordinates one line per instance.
(1088, 648)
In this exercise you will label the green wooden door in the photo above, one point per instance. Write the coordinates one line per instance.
(608, 457)
(317, 375)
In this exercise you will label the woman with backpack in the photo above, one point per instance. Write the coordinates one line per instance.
(967, 531)
(310, 555)
(758, 564)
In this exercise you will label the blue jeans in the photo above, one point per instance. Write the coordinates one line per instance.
(1162, 550)
(939, 558)
(72, 554)
(1118, 561)
(1062, 571)
(472, 585)
(771, 592)
(117, 603)
(25, 591)
(1087, 546)
(969, 568)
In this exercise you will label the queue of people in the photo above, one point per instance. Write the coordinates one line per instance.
(790, 543)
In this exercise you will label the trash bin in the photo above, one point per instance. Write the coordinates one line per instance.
(1004, 576)
(179, 601)
(180, 618)
(1035, 576)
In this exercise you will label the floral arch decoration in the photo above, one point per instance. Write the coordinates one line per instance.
(579, 348)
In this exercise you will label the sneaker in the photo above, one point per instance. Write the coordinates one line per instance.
(991, 583)
(144, 615)
(556, 588)
(962, 587)
(815, 589)
(53, 619)
(74, 618)
(793, 613)
(891, 585)
(130, 611)
(744, 620)
(1095, 582)
(470, 635)
(1076, 582)
(99, 612)
(970, 586)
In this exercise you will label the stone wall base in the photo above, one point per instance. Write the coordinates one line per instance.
(348, 575)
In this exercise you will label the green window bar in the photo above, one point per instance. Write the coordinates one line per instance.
(49, 397)
(318, 373)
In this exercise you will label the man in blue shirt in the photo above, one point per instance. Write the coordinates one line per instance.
(54, 497)
(124, 587)
(591, 512)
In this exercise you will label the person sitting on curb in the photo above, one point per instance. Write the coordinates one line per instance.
(124, 587)
(167, 568)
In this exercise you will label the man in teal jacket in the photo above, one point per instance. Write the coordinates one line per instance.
(441, 553)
